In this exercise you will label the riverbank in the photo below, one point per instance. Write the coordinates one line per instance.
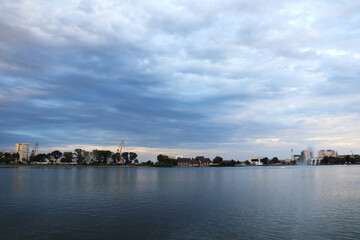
(147, 166)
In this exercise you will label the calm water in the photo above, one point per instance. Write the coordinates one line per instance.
(180, 203)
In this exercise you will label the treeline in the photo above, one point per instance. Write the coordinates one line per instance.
(340, 160)
(165, 161)
(79, 156)
(6, 158)
(225, 163)
(274, 161)
(106, 157)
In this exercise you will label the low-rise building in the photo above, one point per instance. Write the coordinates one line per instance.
(184, 162)
(188, 162)
(256, 161)
(195, 163)
(204, 162)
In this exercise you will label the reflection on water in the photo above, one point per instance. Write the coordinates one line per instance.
(180, 203)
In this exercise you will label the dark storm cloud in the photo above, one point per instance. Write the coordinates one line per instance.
(173, 74)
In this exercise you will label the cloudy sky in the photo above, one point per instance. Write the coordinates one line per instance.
(233, 78)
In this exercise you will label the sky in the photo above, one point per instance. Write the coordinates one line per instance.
(234, 78)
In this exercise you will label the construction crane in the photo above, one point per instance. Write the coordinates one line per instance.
(36, 148)
(120, 148)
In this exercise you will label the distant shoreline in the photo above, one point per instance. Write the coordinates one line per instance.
(145, 166)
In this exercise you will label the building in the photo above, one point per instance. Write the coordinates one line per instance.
(195, 163)
(327, 153)
(23, 149)
(204, 162)
(188, 162)
(184, 162)
(256, 161)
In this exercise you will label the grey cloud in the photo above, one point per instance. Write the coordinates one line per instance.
(183, 74)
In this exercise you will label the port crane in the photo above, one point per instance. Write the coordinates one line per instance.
(120, 148)
(35, 149)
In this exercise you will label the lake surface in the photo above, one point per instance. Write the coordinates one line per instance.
(180, 203)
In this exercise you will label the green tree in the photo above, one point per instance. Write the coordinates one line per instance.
(132, 156)
(6, 158)
(275, 160)
(56, 154)
(126, 158)
(265, 161)
(68, 156)
(102, 156)
(231, 163)
(324, 161)
(96, 156)
(165, 161)
(40, 157)
(116, 157)
(79, 153)
(199, 157)
(15, 157)
(88, 156)
(218, 159)
(163, 158)
(149, 163)
(49, 156)
(347, 159)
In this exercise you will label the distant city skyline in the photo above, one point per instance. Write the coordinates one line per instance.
(238, 79)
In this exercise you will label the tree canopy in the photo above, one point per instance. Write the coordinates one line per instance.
(56, 154)
(68, 156)
(218, 159)
(102, 156)
(275, 160)
(79, 153)
(165, 161)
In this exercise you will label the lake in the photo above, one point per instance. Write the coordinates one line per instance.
(295, 202)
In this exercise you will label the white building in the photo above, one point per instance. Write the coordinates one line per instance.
(256, 161)
(23, 149)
